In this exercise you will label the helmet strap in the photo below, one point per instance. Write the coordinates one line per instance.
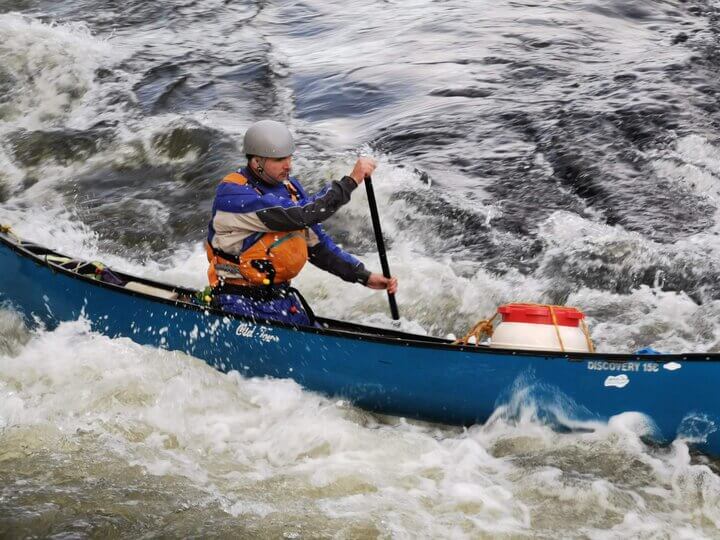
(262, 174)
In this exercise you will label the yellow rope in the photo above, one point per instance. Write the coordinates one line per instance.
(557, 328)
(478, 331)
(586, 331)
(6, 229)
(485, 328)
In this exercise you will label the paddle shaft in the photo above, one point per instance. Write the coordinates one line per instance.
(380, 244)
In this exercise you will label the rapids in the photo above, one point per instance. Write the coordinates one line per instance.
(562, 152)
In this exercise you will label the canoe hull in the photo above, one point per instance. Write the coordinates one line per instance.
(430, 381)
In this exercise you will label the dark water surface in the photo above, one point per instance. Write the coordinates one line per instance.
(561, 152)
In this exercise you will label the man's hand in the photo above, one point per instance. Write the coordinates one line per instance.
(364, 167)
(378, 281)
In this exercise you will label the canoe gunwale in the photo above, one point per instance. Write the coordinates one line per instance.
(337, 328)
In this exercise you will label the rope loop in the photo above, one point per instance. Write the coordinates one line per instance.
(483, 328)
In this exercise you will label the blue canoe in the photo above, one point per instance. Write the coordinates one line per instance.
(376, 369)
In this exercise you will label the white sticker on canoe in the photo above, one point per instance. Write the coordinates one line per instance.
(618, 381)
(672, 366)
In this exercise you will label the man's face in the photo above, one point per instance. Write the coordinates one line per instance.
(277, 169)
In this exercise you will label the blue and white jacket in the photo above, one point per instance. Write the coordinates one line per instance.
(243, 213)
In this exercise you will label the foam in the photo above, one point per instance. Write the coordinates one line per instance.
(176, 418)
(54, 64)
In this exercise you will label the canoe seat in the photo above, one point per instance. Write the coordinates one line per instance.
(153, 291)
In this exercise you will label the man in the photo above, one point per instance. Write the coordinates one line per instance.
(264, 228)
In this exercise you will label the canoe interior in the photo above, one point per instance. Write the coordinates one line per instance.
(187, 296)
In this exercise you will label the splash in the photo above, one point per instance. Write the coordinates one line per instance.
(172, 429)
(49, 69)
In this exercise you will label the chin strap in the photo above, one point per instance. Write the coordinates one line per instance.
(264, 176)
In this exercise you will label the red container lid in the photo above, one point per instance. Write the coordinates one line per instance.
(539, 314)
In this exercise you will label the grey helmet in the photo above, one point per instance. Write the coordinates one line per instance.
(268, 138)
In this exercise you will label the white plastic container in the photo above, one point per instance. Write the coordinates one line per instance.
(534, 327)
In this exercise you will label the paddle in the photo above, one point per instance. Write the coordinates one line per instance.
(380, 243)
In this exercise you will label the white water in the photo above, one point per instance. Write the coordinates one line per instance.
(93, 428)
(452, 292)
(284, 460)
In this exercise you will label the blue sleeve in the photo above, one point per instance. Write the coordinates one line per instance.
(281, 214)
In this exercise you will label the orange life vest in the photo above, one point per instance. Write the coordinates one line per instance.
(276, 257)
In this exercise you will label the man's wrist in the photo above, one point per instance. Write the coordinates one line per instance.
(350, 182)
(362, 275)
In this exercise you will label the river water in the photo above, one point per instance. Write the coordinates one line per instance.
(547, 151)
